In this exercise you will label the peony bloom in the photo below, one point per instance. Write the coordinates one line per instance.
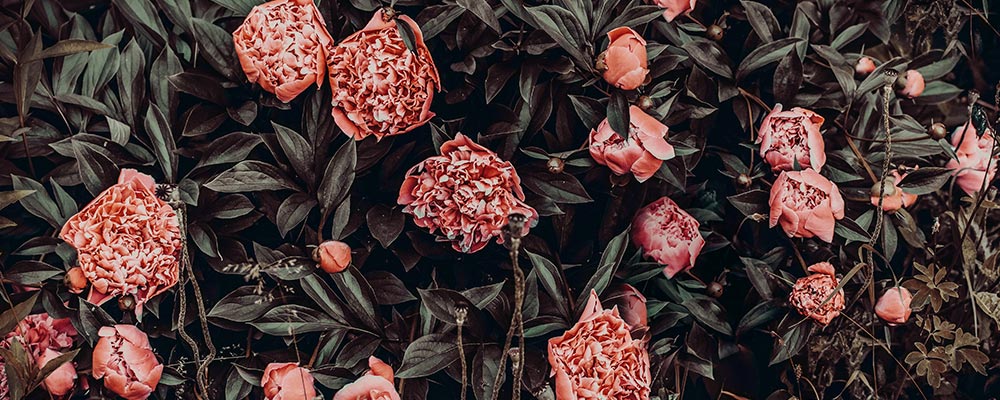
(334, 256)
(128, 241)
(287, 381)
(896, 198)
(667, 234)
(642, 152)
(912, 84)
(62, 380)
(810, 292)
(40, 332)
(631, 304)
(624, 62)
(125, 360)
(973, 154)
(787, 137)
(894, 305)
(376, 384)
(76, 281)
(806, 204)
(864, 66)
(380, 87)
(598, 359)
(673, 8)
(283, 45)
(467, 193)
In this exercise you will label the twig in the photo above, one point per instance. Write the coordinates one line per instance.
(178, 205)
(460, 315)
(515, 228)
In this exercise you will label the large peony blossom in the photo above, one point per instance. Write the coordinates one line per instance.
(787, 137)
(376, 384)
(641, 153)
(287, 381)
(973, 153)
(128, 241)
(283, 45)
(44, 338)
(125, 360)
(598, 358)
(624, 62)
(380, 87)
(806, 204)
(810, 292)
(467, 193)
(668, 234)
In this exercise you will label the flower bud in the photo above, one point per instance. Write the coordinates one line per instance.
(714, 289)
(333, 256)
(864, 66)
(938, 131)
(556, 165)
(715, 32)
(75, 280)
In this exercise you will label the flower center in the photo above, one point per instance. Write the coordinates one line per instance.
(801, 195)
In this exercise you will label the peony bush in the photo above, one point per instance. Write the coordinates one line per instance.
(497, 199)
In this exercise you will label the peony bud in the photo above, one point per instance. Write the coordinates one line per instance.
(333, 256)
(75, 280)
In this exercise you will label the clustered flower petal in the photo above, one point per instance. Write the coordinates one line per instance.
(642, 153)
(668, 234)
(809, 294)
(128, 241)
(44, 338)
(467, 193)
(380, 87)
(287, 381)
(598, 358)
(974, 164)
(897, 198)
(376, 384)
(123, 357)
(806, 204)
(283, 45)
(624, 62)
(790, 137)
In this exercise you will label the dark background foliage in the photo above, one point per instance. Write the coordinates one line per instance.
(258, 176)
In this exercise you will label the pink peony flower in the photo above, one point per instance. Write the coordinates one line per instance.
(912, 84)
(62, 380)
(467, 193)
(376, 384)
(667, 234)
(789, 136)
(864, 66)
(125, 360)
(894, 305)
(806, 204)
(810, 292)
(40, 332)
(380, 87)
(673, 8)
(973, 158)
(631, 304)
(641, 153)
(128, 241)
(283, 45)
(598, 359)
(287, 381)
(624, 62)
(334, 256)
(898, 199)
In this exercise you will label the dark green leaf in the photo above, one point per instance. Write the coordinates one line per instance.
(710, 313)
(216, 46)
(765, 55)
(385, 224)
(250, 176)
(619, 114)
(391, 290)
(710, 56)
(925, 180)
(338, 177)
(162, 142)
(762, 20)
(483, 11)
(791, 343)
(428, 355)
(359, 296)
(610, 259)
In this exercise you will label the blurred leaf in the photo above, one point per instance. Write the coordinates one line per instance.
(751, 202)
(30, 272)
(11, 317)
(590, 111)
(240, 7)
(788, 78)
(406, 33)
(444, 15)
(198, 85)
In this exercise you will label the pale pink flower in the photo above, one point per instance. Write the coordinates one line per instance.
(128, 241)
(124, 359)
(62, 380)
(598, 358)
(283, 45)
(380, 87)
(668, 234)
(625, 59)
(787, 137)
(674, 8)
(806, 204)
(375, 384)
(894, 305)
(287, 381)
(810, 292)
(973, 154)
(467, 193)
(642, 153)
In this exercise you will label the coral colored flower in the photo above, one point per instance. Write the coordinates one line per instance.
(973, 153)
(787, 137)
(283, 45)
(624, 62)
(376, 384)
(62, 380)
(898, 199)
(128, 241)
(641, 153)
(806, 204)
(913, 84)
(667, 234)
(287, 381)
(467, 193)
(125, 360)
(40, 332)
(673, 8)
(76, 281)
(380, 87)
(631, 305)
(810, 292)
(334, 256)
(598, 359)
(864, 66)
(894, 305)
